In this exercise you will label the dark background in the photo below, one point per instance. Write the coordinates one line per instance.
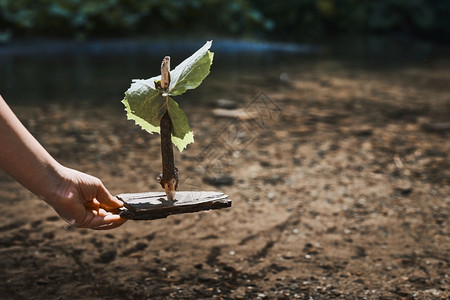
(299, 21)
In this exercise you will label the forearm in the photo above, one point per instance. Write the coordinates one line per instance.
(22, 157)
(80, 199)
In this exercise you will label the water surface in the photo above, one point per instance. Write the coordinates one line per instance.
(99, 73)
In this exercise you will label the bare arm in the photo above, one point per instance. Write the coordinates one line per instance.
(77, 197)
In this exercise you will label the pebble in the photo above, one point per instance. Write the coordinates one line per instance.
(226, 104)
(238, 113)
(284, 77)
(219, 180)
(107, 256)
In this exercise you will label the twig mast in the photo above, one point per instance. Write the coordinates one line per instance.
(169, 177)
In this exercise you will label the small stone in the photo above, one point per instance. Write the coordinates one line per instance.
(403, 188)
(219, 180)
(285, 78)
(52, 218)
(33, 224)
(238, 113)
(49, 235)
(226, 104)
(107, 257)
(363, 131)
(437, 127)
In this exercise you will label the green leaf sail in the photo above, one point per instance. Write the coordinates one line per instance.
(181, 132)
(190, 73)
(146, 105)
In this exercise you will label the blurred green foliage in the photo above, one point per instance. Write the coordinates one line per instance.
(124, 17)
(319, 18)
(294, 19)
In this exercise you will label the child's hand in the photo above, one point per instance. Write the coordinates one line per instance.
(83, 201)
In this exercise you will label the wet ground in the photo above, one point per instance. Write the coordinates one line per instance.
(339, 174)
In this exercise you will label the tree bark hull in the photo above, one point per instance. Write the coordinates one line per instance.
(153, 205)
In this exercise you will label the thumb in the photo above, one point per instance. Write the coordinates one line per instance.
(105, 198)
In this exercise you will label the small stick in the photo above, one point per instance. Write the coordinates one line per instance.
(169, 176)
(165, 73)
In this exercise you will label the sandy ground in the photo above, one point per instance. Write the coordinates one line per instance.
(340, 190)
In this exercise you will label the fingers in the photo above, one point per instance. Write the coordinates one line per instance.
(101, 220)
(108, 222)
(105, 198)
(109, 226)
(93, 205)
